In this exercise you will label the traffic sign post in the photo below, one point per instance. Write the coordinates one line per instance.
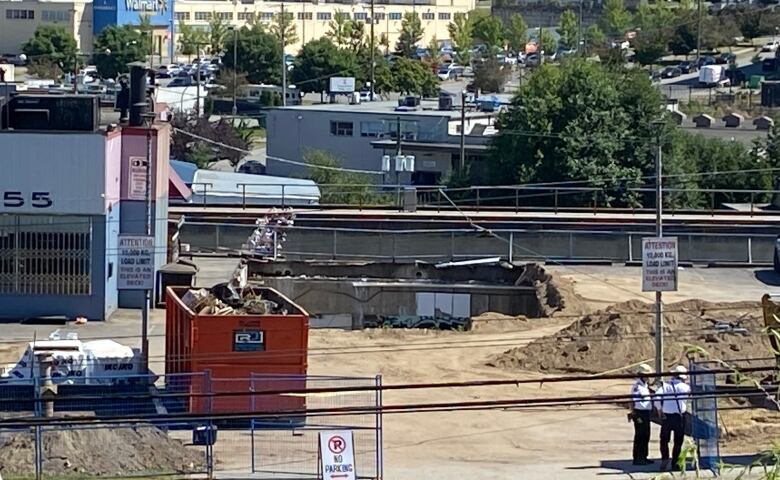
(337, 455)
(659, 264)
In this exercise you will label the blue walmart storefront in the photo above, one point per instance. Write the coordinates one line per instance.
(129, 12)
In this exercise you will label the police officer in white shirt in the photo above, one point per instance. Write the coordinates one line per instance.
(672, 403)
(641, 407)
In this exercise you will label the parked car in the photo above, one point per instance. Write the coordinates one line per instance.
(687, 67)
(671, 72)
(532, 60)
(705, 60)
(13, 59)
(770, 46)
(725, 58)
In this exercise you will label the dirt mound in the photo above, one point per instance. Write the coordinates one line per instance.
(99, 452)
(491, 322)
(623, 334)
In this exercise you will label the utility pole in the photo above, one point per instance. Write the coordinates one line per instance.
(373, 47)
(659, 321)
(698, 33)
(235, 69)
(462, 159)
(539, 47)
(148, 197)
(579, 31)
(284, 62)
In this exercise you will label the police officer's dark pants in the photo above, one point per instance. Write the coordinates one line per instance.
(641, 434)
(673, 423)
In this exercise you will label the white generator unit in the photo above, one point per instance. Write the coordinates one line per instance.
(98, 362)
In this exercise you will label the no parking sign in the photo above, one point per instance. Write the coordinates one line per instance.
(337, 455)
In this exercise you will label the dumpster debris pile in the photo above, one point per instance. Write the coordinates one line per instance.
(225, 299)
(267, 240)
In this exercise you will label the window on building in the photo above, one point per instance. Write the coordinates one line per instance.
(395, 15)
(342, 15)
(225, 15)
(248, 16)
(323, 16)
(445, 15)
(203, 16)
(428, 16)
(341, 129)
(372, 129)
(43, 255)
(304, 15)
(183, 16)
(361, 16)
(266, 16)
(15, 14)
(379, 16)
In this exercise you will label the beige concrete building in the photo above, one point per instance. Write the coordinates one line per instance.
(20, 18)
(312, 20)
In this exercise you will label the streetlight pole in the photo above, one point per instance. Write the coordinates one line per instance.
(698, 34)
(235, 69)
(149, 117)
(284, 62)
(462, 159)
(373, 48)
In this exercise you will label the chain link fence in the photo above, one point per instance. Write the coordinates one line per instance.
(280, 442)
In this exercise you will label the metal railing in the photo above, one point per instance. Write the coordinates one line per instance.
(492, 198)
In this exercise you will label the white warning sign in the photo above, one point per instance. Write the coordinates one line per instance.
(659, 264)
(337, 455)
(136, 263)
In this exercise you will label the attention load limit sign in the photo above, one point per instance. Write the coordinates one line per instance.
(136, 263)
(659, 264)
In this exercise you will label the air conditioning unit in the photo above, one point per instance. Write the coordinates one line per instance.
(411, 101)
(50, 112)
(445, 102)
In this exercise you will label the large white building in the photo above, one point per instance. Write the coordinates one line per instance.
(20, 18)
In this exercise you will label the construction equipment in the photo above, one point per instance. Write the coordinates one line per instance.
(771, 310)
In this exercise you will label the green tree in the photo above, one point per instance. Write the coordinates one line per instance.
(490, 31)
(218, 31)
(615, 19)
(356, 35)
(569, 29)
(547, 42)
(517, 33)
(461, 34)
(490, 76)
(51, 51)
(586, 135)
(189, 39)
(649, 46)
(336, 185)
(115, 47)
(594, 38)
(339, 28)
(284, 25)
(223, 140)
(319, 60)
(411, 34)
(414, 78)
(259, 55)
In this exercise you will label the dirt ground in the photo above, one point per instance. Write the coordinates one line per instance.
(99, 452)
(552, 443)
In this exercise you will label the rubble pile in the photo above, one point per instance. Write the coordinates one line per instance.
(224, 299)
(268, 238)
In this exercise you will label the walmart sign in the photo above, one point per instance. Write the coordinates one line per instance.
(157, 6)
